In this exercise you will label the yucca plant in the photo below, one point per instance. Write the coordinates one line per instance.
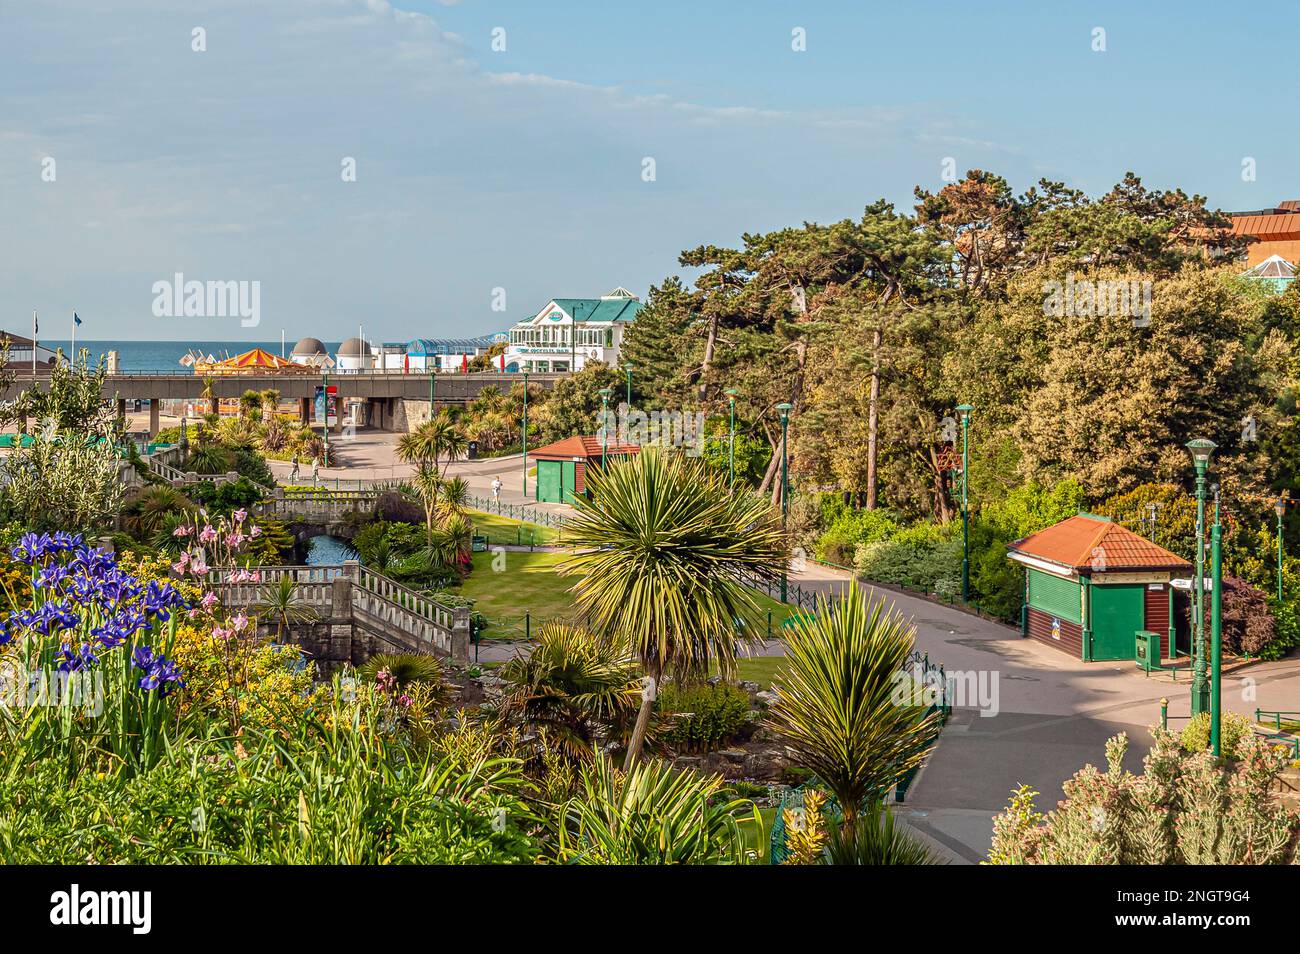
(662, 549)
(652, 815)
(457, 538)
(836, 702)
(570, 688)
(877, 839)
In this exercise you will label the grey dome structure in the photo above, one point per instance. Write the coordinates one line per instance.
(309, 346)
(354, 348)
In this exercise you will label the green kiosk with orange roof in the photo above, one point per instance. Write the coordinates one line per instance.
(1091, 585)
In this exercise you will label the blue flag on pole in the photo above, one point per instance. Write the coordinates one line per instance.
(75, 319)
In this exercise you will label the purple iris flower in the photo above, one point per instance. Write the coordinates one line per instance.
(30, 548)
(75, 661)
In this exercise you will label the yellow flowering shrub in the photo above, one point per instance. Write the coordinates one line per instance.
(268, 683)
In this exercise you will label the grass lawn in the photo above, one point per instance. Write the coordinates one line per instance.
(529, 584)
(759, 669)
(504, 530)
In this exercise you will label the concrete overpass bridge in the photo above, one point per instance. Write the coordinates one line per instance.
(391, 400)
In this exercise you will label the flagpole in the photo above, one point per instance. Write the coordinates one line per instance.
(74, 339)
(36, 329)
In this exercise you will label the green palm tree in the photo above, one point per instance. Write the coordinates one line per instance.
(570, 688)
(147, 513)
(250, 404)
(281, 601)
(838, 706)
(662, 550)
(455, 496)
(447, 439)
(427, 484)
(435, 439)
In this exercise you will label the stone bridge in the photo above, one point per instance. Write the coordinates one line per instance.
(357, 613)
(310, 513)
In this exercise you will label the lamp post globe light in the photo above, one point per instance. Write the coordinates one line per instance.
(627, 369)
(785, 408)
(964, 411)
(604, 423)
(1280, 509)
(731, 439)
(1201, 451)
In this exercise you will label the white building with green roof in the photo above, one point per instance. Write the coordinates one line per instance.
(571, 332)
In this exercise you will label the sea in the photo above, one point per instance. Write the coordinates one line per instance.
(165, 356)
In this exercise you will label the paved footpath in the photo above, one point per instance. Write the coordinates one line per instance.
(1054, 715)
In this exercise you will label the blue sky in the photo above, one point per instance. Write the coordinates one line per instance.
(522, 169)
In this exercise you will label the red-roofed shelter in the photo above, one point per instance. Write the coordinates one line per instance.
(562, 466)
(1091, 585)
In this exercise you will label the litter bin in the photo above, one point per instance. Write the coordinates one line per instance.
(478, 544)
(1147, 649)
(471, 450)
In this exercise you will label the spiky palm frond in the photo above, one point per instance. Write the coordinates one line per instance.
(877, 839)
(653, 815)
(662, 548)
(148, 512)
(282, 601)
(837, 705)
(435, 439)
(405, 668)
(570, 687)
(454, 496)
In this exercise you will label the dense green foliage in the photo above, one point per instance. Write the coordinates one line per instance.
(701, 718)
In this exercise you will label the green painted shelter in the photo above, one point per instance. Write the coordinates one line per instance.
(1091, 585)
(562, 466)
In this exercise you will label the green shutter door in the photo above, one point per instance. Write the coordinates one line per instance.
(568, 481)
(548, 481)
(1055, 595)
(1117, 614)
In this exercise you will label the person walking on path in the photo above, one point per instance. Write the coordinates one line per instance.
(293, 471)
(315, 469)
(496, 489)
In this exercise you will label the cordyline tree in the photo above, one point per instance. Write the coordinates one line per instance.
(662, 546)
